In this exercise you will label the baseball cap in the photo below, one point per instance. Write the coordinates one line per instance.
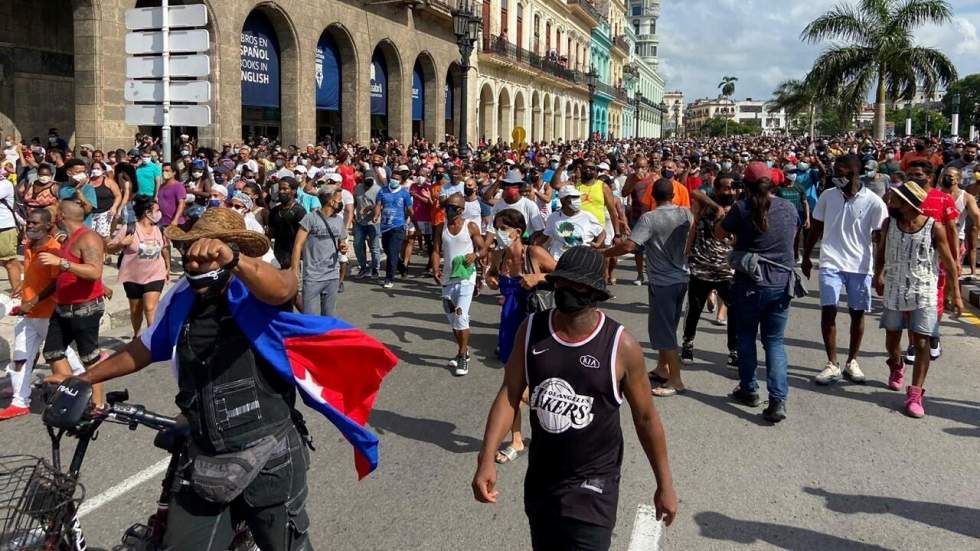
(602, 166)
(301, 169)
(585, 266)
(756, 171)
(402, 168)
(568, 190)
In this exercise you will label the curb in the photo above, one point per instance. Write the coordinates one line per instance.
(970, 291)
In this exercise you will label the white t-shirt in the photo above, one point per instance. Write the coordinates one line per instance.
(847, 244)
(565, 232)
(472, 213)
(525, 206)
(10, 154)
(6, 196)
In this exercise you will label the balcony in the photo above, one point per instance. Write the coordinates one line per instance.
(620, 42)
(438, 8)
(615, 92)
(503, 49)
(588, 9)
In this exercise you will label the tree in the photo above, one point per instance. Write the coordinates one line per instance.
(722, 126)
(727, 86)
(879, 52)
(968, 89)
(924, 121)
(797, 99)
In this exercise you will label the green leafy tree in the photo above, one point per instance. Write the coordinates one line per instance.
(968, 90)
(727, 86)
(722, 126)
(924, 121)
(877, 51)
(799, 101)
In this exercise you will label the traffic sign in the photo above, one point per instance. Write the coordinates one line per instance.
(151, 42)
(190, 91)
(180, 115)
(195, 15)
(180, 66)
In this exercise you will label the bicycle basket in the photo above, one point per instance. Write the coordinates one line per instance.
(35, 499)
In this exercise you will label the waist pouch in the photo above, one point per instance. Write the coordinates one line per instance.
(747, 264)
(223, 477)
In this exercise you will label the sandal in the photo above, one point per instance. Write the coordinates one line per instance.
(509, 454)
(665, 391)
(657, 379)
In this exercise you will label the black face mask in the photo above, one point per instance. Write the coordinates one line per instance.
(895, 213)
(470, 191)
(214, 282)
(667, 173)
(725, 200)
(969, 158)
(588, 175)
(570, 301)
(452, 211)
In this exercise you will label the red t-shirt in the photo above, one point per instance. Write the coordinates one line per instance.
(693, 183)
(347, 173)
(941, 207)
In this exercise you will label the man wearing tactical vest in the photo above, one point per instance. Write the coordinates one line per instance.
(578, 366)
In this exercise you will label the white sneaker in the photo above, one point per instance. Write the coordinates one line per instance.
(830, 374)
(462, 367)
(454, 362)
(853, 372)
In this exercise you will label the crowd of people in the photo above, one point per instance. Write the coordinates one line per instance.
(723, 224)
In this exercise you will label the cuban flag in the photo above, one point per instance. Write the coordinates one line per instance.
(336, 367)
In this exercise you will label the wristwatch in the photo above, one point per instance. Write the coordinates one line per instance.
(65, 265)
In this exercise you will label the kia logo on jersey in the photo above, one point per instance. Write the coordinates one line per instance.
(589, 361)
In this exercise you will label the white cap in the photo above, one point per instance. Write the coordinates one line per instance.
(509, 162)
(602, 166)
(402, 168)
(301, 169)
(568, 190)
(334, 177)
(219, 189)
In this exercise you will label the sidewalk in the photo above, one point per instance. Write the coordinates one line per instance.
(116, 314)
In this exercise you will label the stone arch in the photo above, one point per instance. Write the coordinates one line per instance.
(431, 90)
(398, 98)
(549, 119)
(487, 114)
(536, 117)
(556, 131)
(569, 132)
(504, 116)
(454, 84)
(520, 114)
(340, 122)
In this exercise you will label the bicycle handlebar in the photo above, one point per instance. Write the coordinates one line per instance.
(133, 414)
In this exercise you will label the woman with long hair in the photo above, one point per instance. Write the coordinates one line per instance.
(145, 261)
(764, 227)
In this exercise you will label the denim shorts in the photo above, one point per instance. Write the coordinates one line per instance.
(457, 296)
(924, 321)
(666, 304)
(857, 286)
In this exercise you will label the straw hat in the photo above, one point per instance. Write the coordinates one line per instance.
(226, 225)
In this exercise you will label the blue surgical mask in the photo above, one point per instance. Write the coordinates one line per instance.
(214, 203)
(769, 164)
(802, 166)
(394, 185)
(726, 166)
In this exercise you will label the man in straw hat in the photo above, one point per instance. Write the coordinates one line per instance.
(240, 360)
(907, 277)
(578, 366)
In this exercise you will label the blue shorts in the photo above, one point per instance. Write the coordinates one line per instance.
(924, 321)
(857, 286)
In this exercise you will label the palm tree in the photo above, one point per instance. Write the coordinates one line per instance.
(727, 86)
(796, 98)
(879, 52)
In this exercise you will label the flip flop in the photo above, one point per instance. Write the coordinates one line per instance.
(656, 378)
(665, 391)
(509, 454)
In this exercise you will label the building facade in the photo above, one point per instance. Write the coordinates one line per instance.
(532, 60)
(674, 123)
(760, 114)
(648, 90)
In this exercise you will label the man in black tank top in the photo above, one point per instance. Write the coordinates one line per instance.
(578, 366)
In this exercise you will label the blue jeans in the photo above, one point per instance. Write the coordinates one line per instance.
(392, 241)
(363, 233)
(765, 308)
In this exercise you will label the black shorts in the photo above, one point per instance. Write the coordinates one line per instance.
(81, 330)
(552, 533)
(135, 291)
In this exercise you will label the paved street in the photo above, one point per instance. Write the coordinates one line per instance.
(847, 470)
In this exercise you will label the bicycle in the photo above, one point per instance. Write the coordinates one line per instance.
(40, 503)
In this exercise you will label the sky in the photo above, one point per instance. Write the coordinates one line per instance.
(758, 41)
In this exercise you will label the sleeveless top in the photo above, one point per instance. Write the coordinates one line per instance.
(961, 221)
(911, 269)
(576, 450)
(454, 251)
(46, 196)
(71, 289)
(594, 200)
(104, 198)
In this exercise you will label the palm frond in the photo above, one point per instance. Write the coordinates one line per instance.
(838, 67)
(841, 22)
(914, 13)
(916, 69)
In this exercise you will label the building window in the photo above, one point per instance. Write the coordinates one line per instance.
(636, 27)
(503, 17)
(653, 26)
(637, 10)
(654, 51)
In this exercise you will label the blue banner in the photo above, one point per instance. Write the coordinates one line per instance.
(259, 62)
(449, 99)
(379, 85)
(418, 94)
(327, 74)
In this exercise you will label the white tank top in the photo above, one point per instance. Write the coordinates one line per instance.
(456, 247)
(961, 221)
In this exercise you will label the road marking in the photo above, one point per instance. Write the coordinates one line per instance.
(126, 485)
(969, 316)
(646, 530)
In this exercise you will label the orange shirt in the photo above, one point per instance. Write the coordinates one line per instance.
(936, 159)
(38, 277)
(438, 213)
(682, 197)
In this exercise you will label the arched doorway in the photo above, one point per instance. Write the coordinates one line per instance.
(556, 110)
(569, 134)
(386, 98)
(549, 119)
(335, 69)
(261, 75)
(504, 117)
(535, 116)
(424, 97)
(452, 91)
(488, 113)
(520, 114)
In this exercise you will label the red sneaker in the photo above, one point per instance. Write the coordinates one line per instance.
(13, 411)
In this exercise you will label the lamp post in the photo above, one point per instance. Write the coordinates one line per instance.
(973, 121)
(466, 27)
(677, 120)
(638, 96)
(663, 109)
(956, 116)
(908, 119)
(590, 81)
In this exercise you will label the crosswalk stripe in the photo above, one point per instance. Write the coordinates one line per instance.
(646, 530)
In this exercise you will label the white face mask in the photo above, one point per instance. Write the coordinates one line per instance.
(575, 204)
(8, 143)
(504, 239)
(197, 174)
(80, 177)
(44, 179)
(791, 177)
(184, 153)
(96, 172)
(890, 156)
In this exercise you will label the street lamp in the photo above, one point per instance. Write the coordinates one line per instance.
(956, 115)
(466, 27)
(590, 80)
(638, 96)
(908, 119)
(663, 109)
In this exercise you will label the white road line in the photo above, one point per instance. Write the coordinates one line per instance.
(126, 485)
(646, 530)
